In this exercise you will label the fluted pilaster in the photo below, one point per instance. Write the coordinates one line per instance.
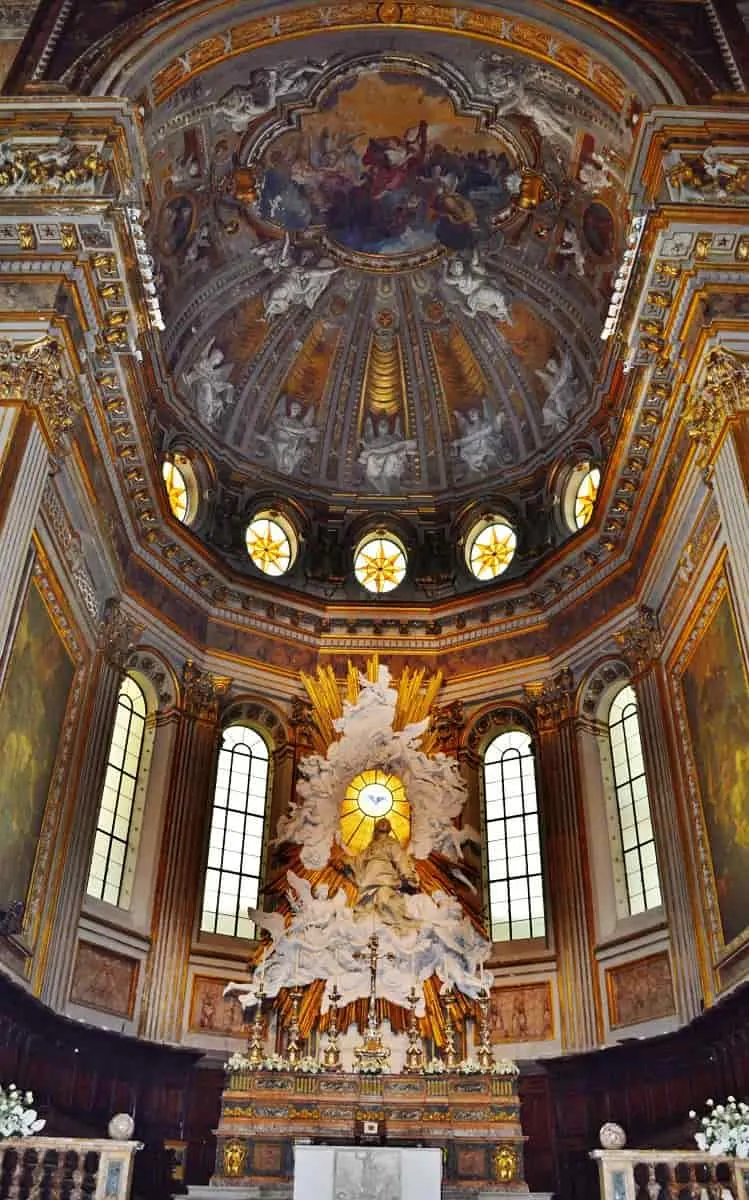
(117, 638)
(639, 643)
(27, 467)
(178, 884)
(567, 879)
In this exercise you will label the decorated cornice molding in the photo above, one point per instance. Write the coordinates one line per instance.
(721, 397)
(496, 720)
(553, 700)
(118, 634)
(603, 677)
(639, 642)
(53, 168)
(202, 691)
(33, 374)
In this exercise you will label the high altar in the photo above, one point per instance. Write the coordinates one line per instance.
(369, 1005)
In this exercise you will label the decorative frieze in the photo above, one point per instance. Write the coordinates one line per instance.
(202, 691)
(51, 169)
(553, 699)
(724, 394)
(639, 642)
(33, 373)
(118, 634)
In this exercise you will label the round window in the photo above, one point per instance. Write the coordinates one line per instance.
(372, 796)
(490, 548)
(271, 543)
(585, 496)
(380, 562)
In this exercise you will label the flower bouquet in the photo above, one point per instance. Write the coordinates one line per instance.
(237, 1062)
(505, 1066)
(275, 1062)
(469, 1066)
(17, 1117)
(369, 1068)
(308, 1065)
(435, 1066)
(725, 1128)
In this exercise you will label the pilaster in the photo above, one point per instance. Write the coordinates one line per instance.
(565, 846)
(178, 883)
(640, 646)
(116, 640)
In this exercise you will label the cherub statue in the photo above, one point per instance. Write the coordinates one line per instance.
(474, 284)
(208, 384)
(294, 283)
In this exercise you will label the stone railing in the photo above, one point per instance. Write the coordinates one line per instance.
(45, 1168)
(670, 1175)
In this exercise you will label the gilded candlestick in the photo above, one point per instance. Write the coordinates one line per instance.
(331, 1056)
(293, 1047)
(256, 1050)
(485, 1056)
(415, 1049)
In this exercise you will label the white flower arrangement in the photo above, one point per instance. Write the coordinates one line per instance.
(308, 1065)
(469, 1066)
(237, 1062)
(435, 1066)
(369, 1068)
(725, 1129)
(17, 1117)
(275, 1062)
(505, 1066)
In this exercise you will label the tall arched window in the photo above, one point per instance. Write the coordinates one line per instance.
(235, 847)
(633, 804)
(117, 827)
(516, 894)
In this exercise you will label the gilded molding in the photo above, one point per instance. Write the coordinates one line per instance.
(447, 723)
(32, 373)
(724, 394)
(118, 634)
(49, 169)
(202, 691)
(552, 700)
(639, 642)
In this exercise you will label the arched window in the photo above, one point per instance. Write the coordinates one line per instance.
(118, 824)
(516, 894)
(232, 877)
(632, 803)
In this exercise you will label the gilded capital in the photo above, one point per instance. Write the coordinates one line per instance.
(32, 373)
(118, 634)
(552, 700)
(640, 642)
(202, 691)
(446, 726)
(303, 724)
(723, 394)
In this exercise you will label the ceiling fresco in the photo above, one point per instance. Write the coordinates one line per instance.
(384, 270)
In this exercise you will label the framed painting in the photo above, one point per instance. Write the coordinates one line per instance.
(212, 1014)
(33, 702)
(104, 980)
(521, 1013)
(715, 695)
(640, 991)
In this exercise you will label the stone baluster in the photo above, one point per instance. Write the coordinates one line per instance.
(717, 417)
(116, 641)
(639, 643)
(179, 880)
(567, 878)
(37, 405)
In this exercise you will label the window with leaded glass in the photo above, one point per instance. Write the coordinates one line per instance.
(235, 847)
(114, 839)
(633, 804)
(513, 845)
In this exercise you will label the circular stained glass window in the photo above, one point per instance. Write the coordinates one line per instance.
(176, 489)
(380, 562)
(585, 496)
(370, 797)
(490, 548)
(271, 543)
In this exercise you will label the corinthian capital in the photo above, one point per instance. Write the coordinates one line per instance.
(640, 641)
(202, 691)
(118, 634)
(33, 373)
(724, 393)
(552, 700)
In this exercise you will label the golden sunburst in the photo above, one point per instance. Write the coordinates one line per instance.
(268, 545)
(492, 550)
(380, 564)
(176, 489)
(585, 499)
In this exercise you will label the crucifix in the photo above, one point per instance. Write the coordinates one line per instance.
(372, 1052)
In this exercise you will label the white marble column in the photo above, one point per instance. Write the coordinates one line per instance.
(568, 891)
(117, 639)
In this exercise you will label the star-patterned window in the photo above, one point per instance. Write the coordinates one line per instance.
(585, 496)
(271, 543)
(181, 486)
(380, 562)
(372, 795)
(490, 548)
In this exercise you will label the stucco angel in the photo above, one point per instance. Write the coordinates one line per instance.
(208, 384)
(477, 289)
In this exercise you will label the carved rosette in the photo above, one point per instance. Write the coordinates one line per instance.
(640, 642)
(118, 634)
(202, 691)
(552, 700)
(724, 394)
(32, 373)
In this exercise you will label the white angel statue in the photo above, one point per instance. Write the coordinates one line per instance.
(242, 104)
(208, 384)
(385, 454)
(506, 84)
(480, 437)
(291, 435)
(558, 377)
(477, 289)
